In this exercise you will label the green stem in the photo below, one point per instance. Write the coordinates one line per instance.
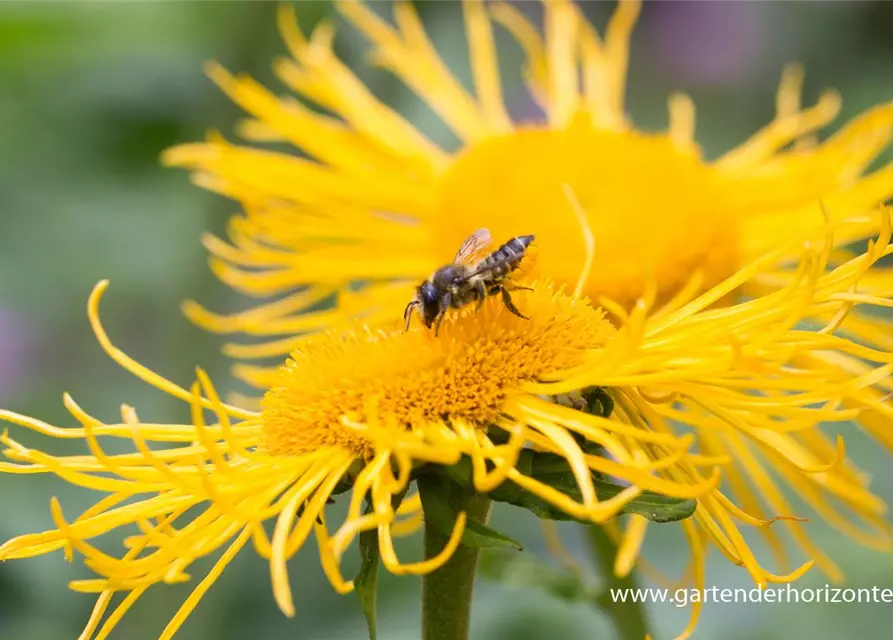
(447, 592)
(628, 617)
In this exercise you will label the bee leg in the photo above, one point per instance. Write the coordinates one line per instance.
(518, 288)
(481, 291)
(507, 300)
(444, 306)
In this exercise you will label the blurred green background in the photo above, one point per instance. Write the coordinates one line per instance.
(93, 92)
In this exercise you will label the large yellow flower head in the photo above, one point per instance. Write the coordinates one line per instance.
(347, 231)
(372, 410)
(376, 202)
(364, 411)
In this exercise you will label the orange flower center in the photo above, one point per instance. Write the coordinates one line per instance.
(465, 373)
(656, 210)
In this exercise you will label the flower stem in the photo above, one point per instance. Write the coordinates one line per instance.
(447, 592)
(628, 617)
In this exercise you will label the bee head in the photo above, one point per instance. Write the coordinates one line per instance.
(430, 301)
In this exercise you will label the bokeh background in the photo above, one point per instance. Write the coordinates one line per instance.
(93, 92)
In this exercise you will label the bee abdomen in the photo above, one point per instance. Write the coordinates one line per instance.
(506, 258)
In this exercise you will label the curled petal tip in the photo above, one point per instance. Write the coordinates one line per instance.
(100, 287)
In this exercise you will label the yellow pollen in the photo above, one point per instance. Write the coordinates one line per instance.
(411, 378)
(656, 209)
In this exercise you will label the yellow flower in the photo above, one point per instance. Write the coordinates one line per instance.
(367, 408)
(376, 203)
(347, 231)
(360, 411)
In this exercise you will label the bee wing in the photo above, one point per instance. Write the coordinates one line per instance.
(474, 247)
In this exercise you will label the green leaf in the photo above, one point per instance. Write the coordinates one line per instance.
(526, 570)
(366, 580)
(554, 471)
(654, 506)
(480, 536)
(441, 514)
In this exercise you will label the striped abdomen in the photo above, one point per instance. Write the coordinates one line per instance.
(505, 259)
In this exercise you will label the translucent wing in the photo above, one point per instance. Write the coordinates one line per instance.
(474, 248)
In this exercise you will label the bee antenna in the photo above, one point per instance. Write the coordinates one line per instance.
(407, 313)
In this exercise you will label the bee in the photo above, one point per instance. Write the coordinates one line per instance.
(471, 276)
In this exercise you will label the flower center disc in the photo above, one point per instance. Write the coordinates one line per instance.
(655, 209)
(394, 378)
